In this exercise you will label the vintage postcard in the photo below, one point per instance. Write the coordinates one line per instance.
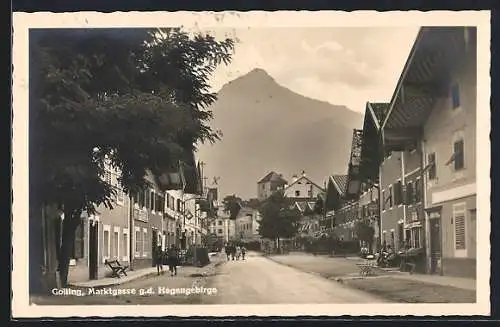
(251, 163)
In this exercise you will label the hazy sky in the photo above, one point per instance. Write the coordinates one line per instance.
(341, 65)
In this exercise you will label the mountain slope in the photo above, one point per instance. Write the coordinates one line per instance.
(268, 127)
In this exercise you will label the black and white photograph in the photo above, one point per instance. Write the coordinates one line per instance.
(251, 163)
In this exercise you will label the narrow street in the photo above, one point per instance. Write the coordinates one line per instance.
(258, 280)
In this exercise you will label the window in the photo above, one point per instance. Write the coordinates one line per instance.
(458, 154)
(391, 195)
(124, 248)
(416, 235)
(410, 195)
(105, 243)
(152, 197)
(178, 205)
(384, 199)
(138, 241)
(455, 96)
(220, 223)
(140, 199)
(398, 190)
(219, 231)
(393, 240)
(431, 160)
(160, 203)
(418, 190)
(116, 241)
(297, 193)
(299, 183)
(144, 242)
(459, 221)
(146, 199)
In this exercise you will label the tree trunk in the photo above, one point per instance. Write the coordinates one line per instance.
(70, 222)
(36, 255)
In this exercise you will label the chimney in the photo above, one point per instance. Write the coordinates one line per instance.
(294, 177)
(303, 173)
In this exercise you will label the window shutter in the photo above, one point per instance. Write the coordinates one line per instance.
(431, 158)
(458, 148)
(409, 193)
(460, 232)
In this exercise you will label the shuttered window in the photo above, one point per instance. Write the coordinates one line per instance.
(459, 221)
(431, 160)
(147, 200)
(418, 190)
(458, 150)
(138, 242)
(140, 199)
(391, 197)
(398, 190)
(409, 193)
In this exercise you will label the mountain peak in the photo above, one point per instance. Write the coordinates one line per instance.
(259, 72)
(256, 76)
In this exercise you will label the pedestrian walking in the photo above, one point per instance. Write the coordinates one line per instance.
(238, 252)
(243, 252)
(173, 260)
(233, 251)
(159, 260)
(227, 250)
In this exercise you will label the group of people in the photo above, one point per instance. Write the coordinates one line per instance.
(172, 258)
(234, 251)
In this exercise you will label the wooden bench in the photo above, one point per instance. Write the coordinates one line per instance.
(117, 269)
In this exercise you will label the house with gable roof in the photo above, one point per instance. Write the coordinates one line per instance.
(302, 188)
(269, 184)
(433, 113)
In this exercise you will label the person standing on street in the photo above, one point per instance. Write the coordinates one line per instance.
(159, 260)
(227, 250)
(233, 251)
(243, 252)
(173, 260)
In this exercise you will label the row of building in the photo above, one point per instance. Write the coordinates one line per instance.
(412, 170)
(176, 209)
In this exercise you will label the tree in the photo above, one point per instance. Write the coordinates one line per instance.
(253, 203)
(278, 220)
(135, 99)
(232, 205)
(365, 232)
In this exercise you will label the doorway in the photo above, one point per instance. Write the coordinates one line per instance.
(435, 244)
(93, 249)
(154, 245)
